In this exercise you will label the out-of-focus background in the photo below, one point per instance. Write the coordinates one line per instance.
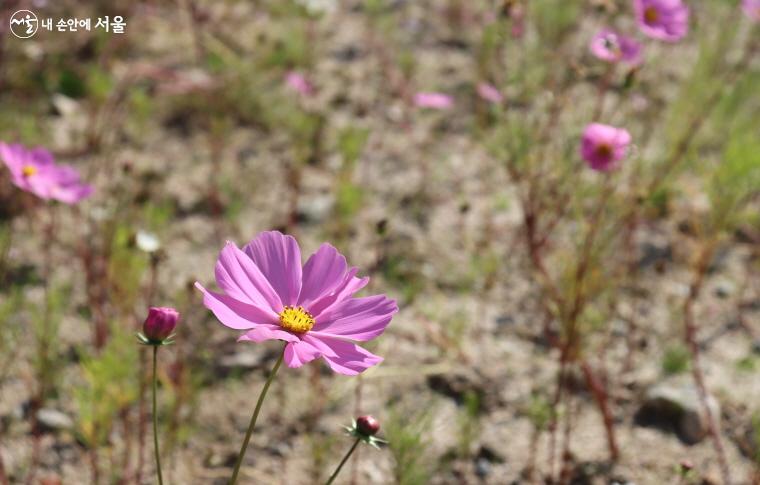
(557, 324)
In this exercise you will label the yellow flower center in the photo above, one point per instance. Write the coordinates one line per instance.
(651, 15)
(296, 319)
(29, 170)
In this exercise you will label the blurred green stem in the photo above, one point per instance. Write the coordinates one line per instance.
(343, 462)
(6, 238)
(46, 336)
(155, 420)
(255, 416)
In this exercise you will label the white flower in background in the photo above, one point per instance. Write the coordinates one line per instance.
(147, 241)
(317, 7)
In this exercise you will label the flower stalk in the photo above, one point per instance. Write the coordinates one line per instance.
(157, 331)
(155, 420)
(255, 417)
(363, 428)
(343, 461)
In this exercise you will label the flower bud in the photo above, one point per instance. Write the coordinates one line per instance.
(367, 425)
(160, 323)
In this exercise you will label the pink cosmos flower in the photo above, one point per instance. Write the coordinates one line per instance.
(35, 171)
(490, 93)
(752, 9)
(298, 83)
(603, 145)
(433, 100)
(666, 20)
(612, 47)
(269, 295)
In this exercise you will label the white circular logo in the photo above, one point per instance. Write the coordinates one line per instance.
(23, 24)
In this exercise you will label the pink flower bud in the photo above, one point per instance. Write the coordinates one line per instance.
(367, 425)
(160, 323)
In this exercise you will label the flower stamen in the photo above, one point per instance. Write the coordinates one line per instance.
(29, 170)
(296, 319)
(604, 150)
(651, 15)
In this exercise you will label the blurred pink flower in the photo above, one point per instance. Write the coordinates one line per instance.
(35, 171)
(269, 295)
(603, 145)
(752, 9)
(297, 82)
(433, 100)
(489, 93)
(612, 47)
(666, 20)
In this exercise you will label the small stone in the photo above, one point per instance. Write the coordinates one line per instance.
(220, 459)
(756, 346)
(316, 208)
(490, 454)
(652, 254)
(674, 405)
(241, 360)
(279, 449)
(347, 53)
(54, 420)
(505, 321)
(482, 467)
(724, 289)
(457, 385)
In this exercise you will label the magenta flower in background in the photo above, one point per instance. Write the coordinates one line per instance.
(666, 20)
(603, 145)
(490, 93)
(269, 295)
(752, 9)
(298, 83)
(612, 47)
(433, 100)
(35, 171)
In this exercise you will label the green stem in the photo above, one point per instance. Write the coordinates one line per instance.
(255, 416)
(155, 420)
(343, 462)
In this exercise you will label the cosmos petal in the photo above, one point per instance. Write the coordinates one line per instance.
(299, 353)
(359, 319)
(347, 358)
(234, 313)
(322, 273)
(265, 332)
(241, 279)
(279, 259)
